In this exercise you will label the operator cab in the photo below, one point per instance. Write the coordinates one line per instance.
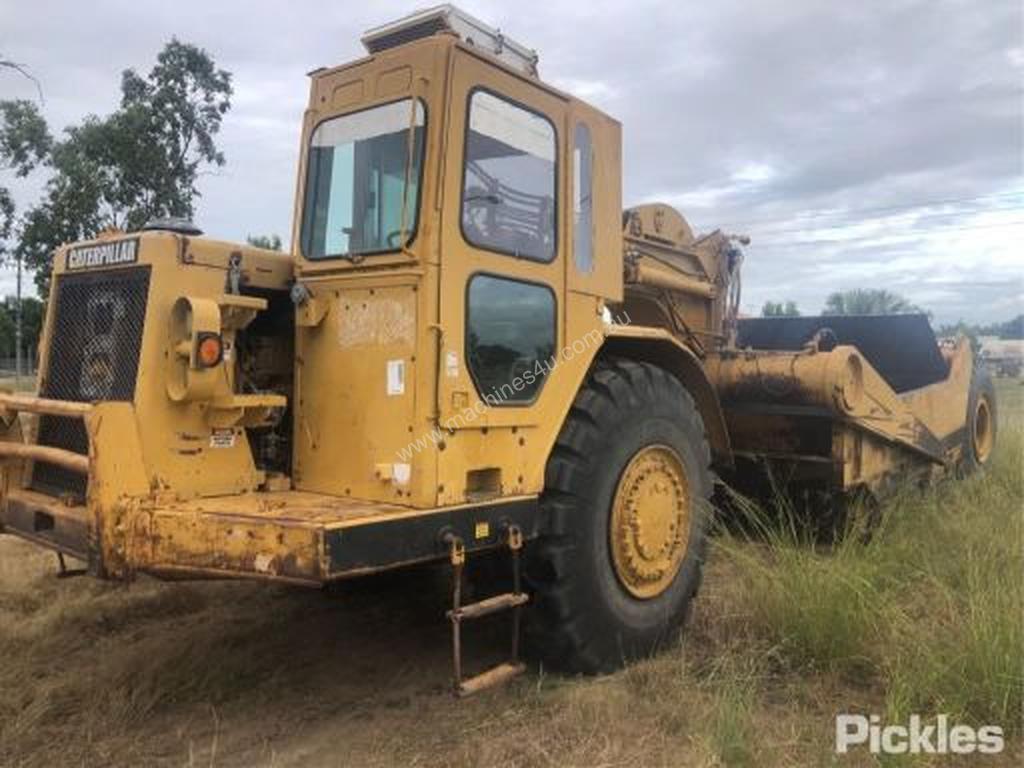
(454, 231)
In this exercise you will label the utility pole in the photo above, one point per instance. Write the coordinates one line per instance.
(17, 331)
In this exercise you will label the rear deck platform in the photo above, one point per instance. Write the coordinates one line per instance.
(290, 536)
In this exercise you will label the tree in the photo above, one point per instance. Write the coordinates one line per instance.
(140, 162)
(270, 242)
(32, 324)
(780, 309)
(25, 142)
(952, 330)
(1012, 329)
(868, 301)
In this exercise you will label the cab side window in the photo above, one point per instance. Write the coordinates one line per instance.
(508, 184)
(582, 199)
(510, 338)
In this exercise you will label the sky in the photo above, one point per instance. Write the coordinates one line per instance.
(859, 145)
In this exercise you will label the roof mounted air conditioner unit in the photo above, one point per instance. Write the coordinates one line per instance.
(448, 18)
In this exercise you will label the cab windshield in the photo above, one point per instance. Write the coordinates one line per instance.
(362, 182)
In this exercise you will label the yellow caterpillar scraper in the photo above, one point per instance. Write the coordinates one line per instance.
(468, 347)
(853, 404)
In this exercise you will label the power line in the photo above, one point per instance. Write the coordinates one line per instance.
(920, 234)
(853, 212)
(755, 233)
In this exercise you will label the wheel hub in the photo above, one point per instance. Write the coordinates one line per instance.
(982, 430)
(650, 521)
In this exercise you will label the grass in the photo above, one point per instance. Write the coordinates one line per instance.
(17, 384)
(820, 609)
(925, 618)
(930, 612)
(732, 731)
(930, 608)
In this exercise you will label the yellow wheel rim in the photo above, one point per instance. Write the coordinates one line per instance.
(650, 521)
(982, 430)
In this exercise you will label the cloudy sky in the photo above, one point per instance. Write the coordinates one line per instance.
(859, 144)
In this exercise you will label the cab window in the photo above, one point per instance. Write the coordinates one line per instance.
(582, 199)
(362, 182)
(510, 338)
(508, 185)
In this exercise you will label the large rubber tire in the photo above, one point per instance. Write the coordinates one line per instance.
(583, 619)
(981, 422)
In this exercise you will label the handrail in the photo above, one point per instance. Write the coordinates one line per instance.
(32, 404)
(70, 460)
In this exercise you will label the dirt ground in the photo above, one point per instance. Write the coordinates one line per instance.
(246, 675)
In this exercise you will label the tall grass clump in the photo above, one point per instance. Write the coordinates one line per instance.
(731, 727)
(931, 608)
(962, 651)
(818, 607)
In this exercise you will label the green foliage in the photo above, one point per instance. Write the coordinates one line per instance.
(140, 162)
(270, 242)
(1012, 329)
(25, 140)
(24, 143)
(868, 301)
(819, 608)
(6, 219)
(931, 610)
(780, 309)
(732, 731)
(31, 320)
(962, 329)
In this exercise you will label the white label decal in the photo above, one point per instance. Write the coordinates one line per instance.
(401, 473)
(451, 365)
(222, 438)
(103, 254)
(396, 377)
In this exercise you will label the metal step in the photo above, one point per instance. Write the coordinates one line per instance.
(65, 572)
(491, 605)
(506, 601)
(492, 677)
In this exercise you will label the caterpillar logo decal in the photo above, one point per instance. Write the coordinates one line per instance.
(103, 255)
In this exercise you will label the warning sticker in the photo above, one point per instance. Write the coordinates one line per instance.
(451, 365)
(396, 377)
(401, 473)
(222, 438)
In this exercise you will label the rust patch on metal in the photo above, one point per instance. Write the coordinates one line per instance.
(375, 322)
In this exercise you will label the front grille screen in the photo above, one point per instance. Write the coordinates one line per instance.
(94, 356)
